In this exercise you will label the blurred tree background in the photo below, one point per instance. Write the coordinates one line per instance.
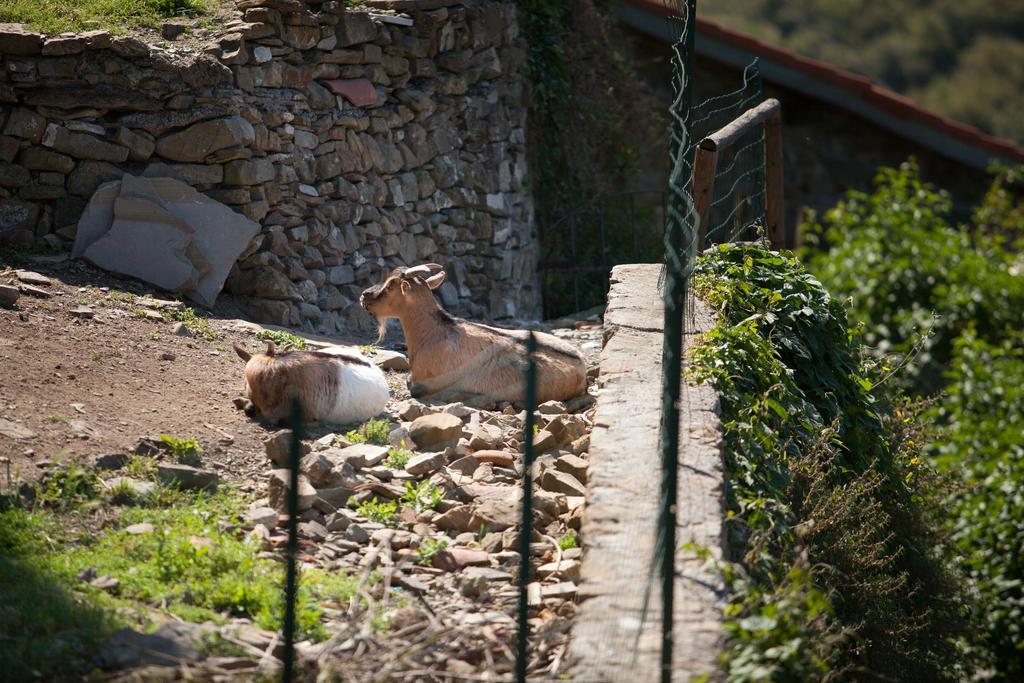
(961, 58)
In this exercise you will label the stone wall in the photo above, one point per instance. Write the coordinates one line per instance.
(359, 140)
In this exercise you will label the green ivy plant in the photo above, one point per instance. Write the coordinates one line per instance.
(834, 566)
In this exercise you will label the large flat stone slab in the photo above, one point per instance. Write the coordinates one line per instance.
(613, 640)
(165, 232)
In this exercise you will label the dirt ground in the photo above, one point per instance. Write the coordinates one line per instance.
(77, 388)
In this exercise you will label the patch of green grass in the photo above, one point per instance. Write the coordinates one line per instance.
(381, 511)
(569, 540)
(141, 467)
(283, 338)
(398, 456)
(57, 419)
(118, 297)
(185, 450)
(421, 497)
(375, 431)
(69, 487)
(117, 16)
(198, 326)
(367, 349)
(429, 549)
(189, 565)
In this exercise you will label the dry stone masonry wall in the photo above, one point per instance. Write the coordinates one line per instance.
(358, 140)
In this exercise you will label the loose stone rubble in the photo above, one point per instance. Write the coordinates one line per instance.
(455, 562)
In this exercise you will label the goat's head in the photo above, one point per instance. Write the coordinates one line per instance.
(262, 394)
(403, 287)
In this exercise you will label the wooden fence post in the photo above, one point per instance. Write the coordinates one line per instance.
(775, 213)
(705, 164)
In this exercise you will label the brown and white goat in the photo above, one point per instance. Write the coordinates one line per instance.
(457, 360)
(335, 384)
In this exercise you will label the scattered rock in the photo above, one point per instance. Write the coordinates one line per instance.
(357, 534)
(435, 429)
(8, 295)
(278, 447)
(13, 430)
(30, 278)
(566, 590)
(427, 463)
(277, 492)
(83, 312)
(139, 529)
(457, 558)
(180, 330)
(104, 582)
(110, 461)
(574, 465)
(551, 408)
(495, 514)
(562, 482)
(358, 456)
(265, 516)
(566, 569)
(499, 458)
(459, 518)
(188, 477)
(174, 643)
(391, 360)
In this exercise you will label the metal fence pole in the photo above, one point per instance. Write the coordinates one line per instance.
(292, 551)
(676, 273)
(526, 526)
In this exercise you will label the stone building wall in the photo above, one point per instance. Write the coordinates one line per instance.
(359, 140)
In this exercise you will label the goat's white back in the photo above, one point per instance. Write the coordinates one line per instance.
(362, 390)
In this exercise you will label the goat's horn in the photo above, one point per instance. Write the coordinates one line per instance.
(424, 269)
(271, 349)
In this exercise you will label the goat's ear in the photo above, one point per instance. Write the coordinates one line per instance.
(242, 353)
(434, 281)
(271, 349)
(405, 286)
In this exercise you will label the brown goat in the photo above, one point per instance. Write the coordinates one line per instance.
(456, 360)
(334, 385)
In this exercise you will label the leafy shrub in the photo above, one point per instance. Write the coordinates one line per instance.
(983, 420)
(430, 548)
(381, 511)
(914, 279)
(184, 450)
(398, 457)
(835, 569)
(569, 540)
(422, 496)
(69, 487)
(896, 254)
(375, 431)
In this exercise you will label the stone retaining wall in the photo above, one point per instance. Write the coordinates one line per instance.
(612, 639)
(359, 140)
